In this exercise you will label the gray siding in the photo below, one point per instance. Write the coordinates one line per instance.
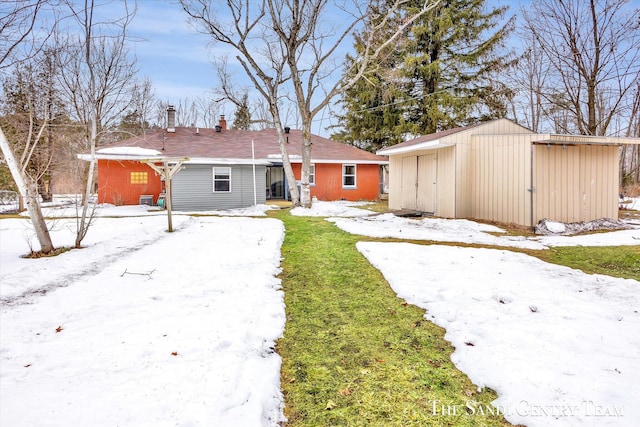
(193, 188)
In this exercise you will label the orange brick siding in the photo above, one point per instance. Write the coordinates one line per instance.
(328, 184)
(114, 182)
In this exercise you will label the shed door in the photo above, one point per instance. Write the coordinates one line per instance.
(426, 189)
(409, 182)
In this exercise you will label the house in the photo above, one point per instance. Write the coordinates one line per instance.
(228, 168)
(500, 171)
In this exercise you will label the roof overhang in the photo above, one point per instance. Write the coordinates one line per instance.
(184, 160)
(350, 162)
(423, 146)
(294, 158)
(568, 140)
(119, 157)
(225, 161)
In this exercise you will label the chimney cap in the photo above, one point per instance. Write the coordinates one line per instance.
(171, 119)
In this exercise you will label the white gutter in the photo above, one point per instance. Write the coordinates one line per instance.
(429, 145)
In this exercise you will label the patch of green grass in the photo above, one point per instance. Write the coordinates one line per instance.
(354, 353)
(617, 261)
(379, 206)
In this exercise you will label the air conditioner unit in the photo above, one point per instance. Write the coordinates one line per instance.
(146, 200)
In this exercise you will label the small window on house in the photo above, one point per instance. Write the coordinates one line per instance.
(139, 178)
(312, 174)
(221, 180)
(349, 176)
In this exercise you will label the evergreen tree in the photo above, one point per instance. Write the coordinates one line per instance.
(132, 124)
(439, 76)
(242, 118)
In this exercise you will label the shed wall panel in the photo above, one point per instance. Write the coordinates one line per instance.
(467, 198)
(499, 178)
(446, 183)
(575, 183)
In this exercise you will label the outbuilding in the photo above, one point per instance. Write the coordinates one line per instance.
(501, 171)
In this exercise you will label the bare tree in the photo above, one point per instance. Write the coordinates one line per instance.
(529, 80)
(207, 110)
(630, 154)
(97, 76)
(18, 19)
(295, 47)
(143, 101)
(593, 48)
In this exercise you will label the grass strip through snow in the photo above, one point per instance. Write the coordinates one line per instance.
(616, 261)
(353, 352)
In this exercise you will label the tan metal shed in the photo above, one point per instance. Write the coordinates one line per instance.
(501, 171)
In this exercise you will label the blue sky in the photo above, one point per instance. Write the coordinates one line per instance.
(176, 59)
(179, 62)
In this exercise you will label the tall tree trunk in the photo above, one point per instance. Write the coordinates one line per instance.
(305, 188)
(84, 222)
(29, 192)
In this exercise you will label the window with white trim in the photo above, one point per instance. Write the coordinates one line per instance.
(312, 174)
(221, 180)
(349, 176)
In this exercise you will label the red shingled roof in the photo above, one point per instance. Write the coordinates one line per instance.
(236, 144)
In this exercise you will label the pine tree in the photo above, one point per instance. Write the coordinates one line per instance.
(439, 76)
(242, 118)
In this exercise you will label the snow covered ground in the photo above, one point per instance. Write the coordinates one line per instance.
(465, 231)
(144, 327)
(560, 347)
(631, 203)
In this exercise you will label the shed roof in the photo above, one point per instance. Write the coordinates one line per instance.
(443, 139)
(204, 143)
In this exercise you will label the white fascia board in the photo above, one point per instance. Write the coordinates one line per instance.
(429, 145)
(350, 162)
(121, 157)
(224, 161)
(298, 159)
(559, 139)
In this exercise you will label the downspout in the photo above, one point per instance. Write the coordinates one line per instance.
(531, 187)
(253, 162)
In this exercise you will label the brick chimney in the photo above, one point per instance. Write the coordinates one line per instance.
(223, 123)
(171, 119)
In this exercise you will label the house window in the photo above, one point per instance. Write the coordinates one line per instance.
(221, 180)
(349, 176)
(139, 178)
(312, 174)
